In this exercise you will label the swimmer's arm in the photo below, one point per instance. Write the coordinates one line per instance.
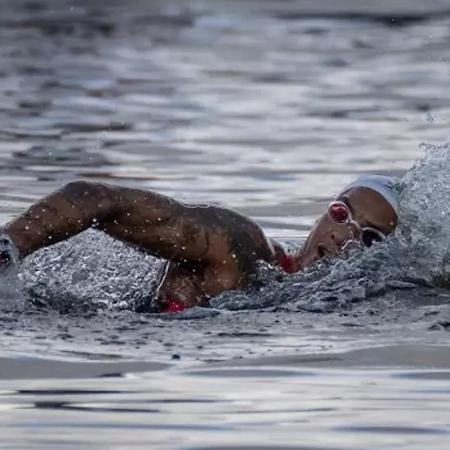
(152, 222)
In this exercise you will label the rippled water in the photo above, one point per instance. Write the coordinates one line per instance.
(267, 107)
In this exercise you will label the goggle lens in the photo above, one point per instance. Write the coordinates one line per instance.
(339, 213)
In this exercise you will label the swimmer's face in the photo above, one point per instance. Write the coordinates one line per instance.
(328, 239)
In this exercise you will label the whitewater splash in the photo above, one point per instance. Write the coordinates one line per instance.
(92, 271)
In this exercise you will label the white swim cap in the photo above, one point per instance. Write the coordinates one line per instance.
(385, 186)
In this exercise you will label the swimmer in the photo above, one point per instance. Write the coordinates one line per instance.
(208, 250)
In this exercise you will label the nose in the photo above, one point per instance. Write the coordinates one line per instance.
(333, 244)
(342, 234)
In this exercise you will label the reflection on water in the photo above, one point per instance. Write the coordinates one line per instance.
(269, 107)
(287, 408)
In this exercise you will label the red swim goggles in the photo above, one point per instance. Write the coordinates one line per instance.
(340, 213)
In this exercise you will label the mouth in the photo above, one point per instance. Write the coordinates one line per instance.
(320, 252)
(324, 252)
(349, 246)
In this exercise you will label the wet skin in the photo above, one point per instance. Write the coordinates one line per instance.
(209, 249)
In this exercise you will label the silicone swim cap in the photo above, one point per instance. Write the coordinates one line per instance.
(385, 186)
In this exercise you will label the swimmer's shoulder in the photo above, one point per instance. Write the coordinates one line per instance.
(245, 238)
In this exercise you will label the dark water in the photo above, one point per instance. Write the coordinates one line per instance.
(267, 107)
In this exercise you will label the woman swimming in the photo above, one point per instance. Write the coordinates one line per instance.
(209, 249)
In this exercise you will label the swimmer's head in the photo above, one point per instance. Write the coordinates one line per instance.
(364, 213)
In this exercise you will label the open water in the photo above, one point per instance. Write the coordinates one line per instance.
(269, 107)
